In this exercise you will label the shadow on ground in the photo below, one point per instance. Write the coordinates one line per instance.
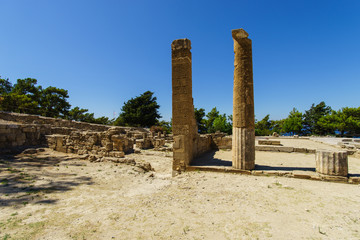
(277, 168)
(28, 178)
(209, 159)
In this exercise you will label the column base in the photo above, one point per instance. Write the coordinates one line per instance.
(243, 148)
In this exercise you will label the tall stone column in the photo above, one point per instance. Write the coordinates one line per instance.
(243, 144)
(183, 117)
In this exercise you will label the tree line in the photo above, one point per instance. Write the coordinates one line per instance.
(319, 120)
(25, 96)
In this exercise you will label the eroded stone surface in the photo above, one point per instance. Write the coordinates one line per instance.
(243, 103)
(183, 116)
(333, 163)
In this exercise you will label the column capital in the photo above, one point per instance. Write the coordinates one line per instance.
(181, 44)
(238, 34)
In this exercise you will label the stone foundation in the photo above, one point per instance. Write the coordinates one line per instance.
(19, 135)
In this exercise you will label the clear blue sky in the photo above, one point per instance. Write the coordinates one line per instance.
(105, 52)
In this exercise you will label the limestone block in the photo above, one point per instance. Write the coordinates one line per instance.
(347, 140)
(275, 134)
(350, 146)
(82, 152)
(274, 149)
(29, 129)
(108, 146)
(144, 143)
(118, 154)
(70, 149)
(269, 142)
(138, 136)
(300, 150)
(332, 163)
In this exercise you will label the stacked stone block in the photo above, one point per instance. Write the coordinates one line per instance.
(17, 135)
(269, 142)
(113, 143)
(183, 116)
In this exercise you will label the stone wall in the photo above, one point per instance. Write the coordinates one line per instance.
(204, 144)
(20, 130)
(59, 123)
(221, 141)
(110, 143)
(18, 135)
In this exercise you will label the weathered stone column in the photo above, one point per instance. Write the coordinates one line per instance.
(332, 163)
(183, 117)
(243, 145)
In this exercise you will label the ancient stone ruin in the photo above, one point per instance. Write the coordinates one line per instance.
(90, 141)
(332, 163)
(95, 142)
(243, 151)
(188, 144)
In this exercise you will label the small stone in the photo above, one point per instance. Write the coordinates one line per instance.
(30, 151)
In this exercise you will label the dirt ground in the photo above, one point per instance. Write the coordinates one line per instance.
(51, 195)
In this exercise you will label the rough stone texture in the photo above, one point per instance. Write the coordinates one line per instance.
(221, 141)
(204, 144)
(22, 130)
(111, 143)
(243, 155)
(332, 163)
(183, 116)
(59, 123)
(269, 142)
(144, 144)
(158, 142)
(275, 134)
(15, 135)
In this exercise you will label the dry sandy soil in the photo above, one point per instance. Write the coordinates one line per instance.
(51, 195)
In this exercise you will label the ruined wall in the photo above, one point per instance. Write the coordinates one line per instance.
(204, 143)
(74, 137)
(58, 123)
(17, 135)
(221, 141)
(110, 143)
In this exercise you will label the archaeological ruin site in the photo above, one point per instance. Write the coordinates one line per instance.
(189, 145)
(100, 143)
(86, 179)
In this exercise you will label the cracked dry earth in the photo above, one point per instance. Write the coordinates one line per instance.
(51, 195)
